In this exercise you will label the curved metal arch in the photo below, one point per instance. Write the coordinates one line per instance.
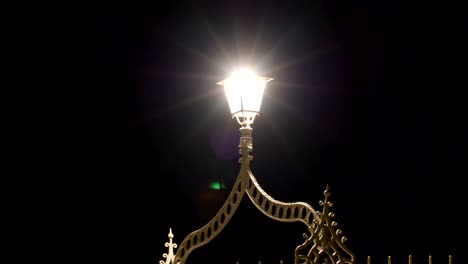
(277, 210)
(208, 232)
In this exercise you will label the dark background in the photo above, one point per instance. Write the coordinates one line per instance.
(115, 127)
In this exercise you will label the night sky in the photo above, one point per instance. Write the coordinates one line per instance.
(115, 127)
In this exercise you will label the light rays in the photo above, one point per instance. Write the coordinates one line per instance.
(209, 29)
(228, 45)
(187, 103)
(301, 59)
(259, 33)
(192, 51)
(283, 39)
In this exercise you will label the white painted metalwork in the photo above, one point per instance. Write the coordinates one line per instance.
(169, 256)
(323, 244)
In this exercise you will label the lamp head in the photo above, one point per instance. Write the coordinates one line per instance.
(244, 92)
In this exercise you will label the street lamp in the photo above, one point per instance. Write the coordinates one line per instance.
(323, 244)
(244, 92)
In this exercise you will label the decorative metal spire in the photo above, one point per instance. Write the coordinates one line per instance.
(324, 243)
(170, 245)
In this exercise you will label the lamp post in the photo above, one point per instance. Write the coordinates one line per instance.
(322, 244)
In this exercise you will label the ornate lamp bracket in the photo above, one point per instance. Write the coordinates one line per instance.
(323, 244)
